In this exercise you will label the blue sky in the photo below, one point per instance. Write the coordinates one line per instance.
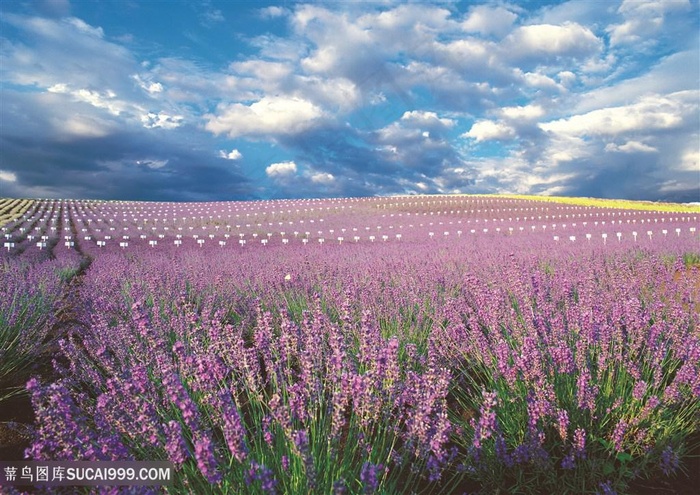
(207, 100)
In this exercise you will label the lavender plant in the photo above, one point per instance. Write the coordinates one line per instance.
(30, 293)
(570, 391)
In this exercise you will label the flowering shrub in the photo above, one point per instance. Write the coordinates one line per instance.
(579, 390)
(30, 296)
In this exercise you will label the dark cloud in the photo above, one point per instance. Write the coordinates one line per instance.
(133, 163)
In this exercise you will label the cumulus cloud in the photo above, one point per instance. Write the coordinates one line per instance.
(263, 69)
(322, 178)
(148, 86)
(281, 169)
(525, 112)
(569, 39)
(231, 155)
(489, 20)
(271, 115)
(630, 147)
(99, 99)
(8, 176)
(153, 120)
(487, 130)
(273, 11)
(417, 146)
(690, 159)
(653, 112)
(425, 119)
(64, 51)
(643, 20)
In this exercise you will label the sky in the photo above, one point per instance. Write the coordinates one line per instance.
(238, 100)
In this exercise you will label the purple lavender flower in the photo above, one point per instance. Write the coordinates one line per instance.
(206, 461)
(487, 419)
(563, 424)
(639, 390)
(669, 461)
(606, 488)
(369, 476)
(618, 435)
(568, 462)
(263, 474)
(175, 445)
(579, 444)
(585, 392)
(340, 487)
(502, 451)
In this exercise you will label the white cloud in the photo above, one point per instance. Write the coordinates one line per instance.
(155, 88)
(538, 80)
(412, 129)
(230, 155)
(83, 27)
(422, 118)
(488, 20)
(337, 93)
(162, 120)
(99, 99)
(569, 39)
(273, 12)
(281, 169)
(566, 78)
(630, 147)
(643, 20)
(677, 72)
(270, 115)
(263, 69)
(64, 50)
(653, 112)
(322, 178)
(486, 130)
(526, 112)
(8, 176)
(148, 86)
(406, 16)
(377, 98)
(690, 159)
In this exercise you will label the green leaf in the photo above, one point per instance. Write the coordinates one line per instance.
(608, 468)
(624, 457)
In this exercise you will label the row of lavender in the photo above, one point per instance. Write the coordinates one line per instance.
(386, 369)
(33, 285)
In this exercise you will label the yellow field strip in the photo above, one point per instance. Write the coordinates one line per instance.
(609, 203)
(11, 209)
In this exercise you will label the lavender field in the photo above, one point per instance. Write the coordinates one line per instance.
(423, 344)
